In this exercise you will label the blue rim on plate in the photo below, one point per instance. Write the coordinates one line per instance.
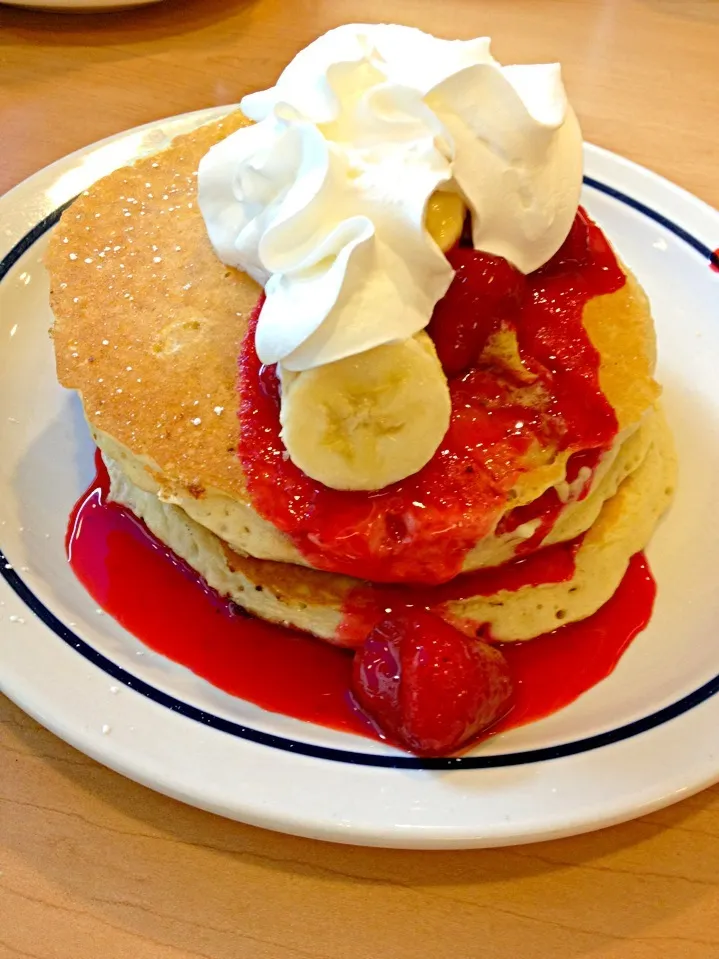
(66, 634)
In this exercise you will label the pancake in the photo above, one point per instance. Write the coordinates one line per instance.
(149, 325)
(314, 601)
(246, 532)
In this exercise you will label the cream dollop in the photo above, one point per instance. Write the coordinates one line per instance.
(323, 199)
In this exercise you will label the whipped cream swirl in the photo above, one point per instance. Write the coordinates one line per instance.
(322, 200)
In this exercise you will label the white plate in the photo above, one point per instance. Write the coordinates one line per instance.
(643, 738)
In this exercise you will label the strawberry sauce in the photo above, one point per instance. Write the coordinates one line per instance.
(159, 599)
(420, 529)
(524, 383)
(368, 603)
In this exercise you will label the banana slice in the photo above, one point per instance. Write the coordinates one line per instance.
(369, 420)
(444, 218)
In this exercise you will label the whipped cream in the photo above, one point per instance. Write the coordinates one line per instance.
(322, 200)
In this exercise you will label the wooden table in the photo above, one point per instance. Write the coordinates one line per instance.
(95, 867)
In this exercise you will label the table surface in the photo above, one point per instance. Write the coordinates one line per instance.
(92, 865)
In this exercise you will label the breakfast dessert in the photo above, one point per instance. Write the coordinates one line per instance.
(357, 356)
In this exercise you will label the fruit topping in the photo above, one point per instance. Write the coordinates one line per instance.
(533, 391)
(427, 686)
(370, 419)
(269, 384)
(574, 252)
(444, 218)
(485, 290)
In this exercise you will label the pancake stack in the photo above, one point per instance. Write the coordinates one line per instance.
(148, 328)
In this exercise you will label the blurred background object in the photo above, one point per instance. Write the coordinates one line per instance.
(79, 6)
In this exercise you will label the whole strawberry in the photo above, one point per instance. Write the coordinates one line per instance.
(427, 686)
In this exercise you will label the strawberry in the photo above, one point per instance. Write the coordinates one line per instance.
(428, 686)
(269, 383)
(574, 253)
(485, 290)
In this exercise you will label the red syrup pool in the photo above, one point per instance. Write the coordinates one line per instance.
(165, 604)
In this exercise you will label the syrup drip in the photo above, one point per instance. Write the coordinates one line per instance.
(368, 603)
(158, 598)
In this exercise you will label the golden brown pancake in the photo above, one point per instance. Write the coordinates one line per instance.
(148, 329)
(148, 322)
